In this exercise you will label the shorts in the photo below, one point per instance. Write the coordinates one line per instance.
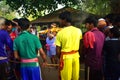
(31, 73)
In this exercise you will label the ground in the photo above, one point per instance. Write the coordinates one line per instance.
(51, 73)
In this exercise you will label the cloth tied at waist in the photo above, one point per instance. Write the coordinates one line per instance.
(3, 58)
(61, 64)
(29, 60)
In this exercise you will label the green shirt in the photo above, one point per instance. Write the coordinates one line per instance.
(27, 46)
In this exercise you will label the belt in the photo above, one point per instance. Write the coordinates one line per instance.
(61, 57)
(29, 60)
(3, 58)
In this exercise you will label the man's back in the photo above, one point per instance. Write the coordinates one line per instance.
(69, 38)
(94, 55)
(27, 45)
(112, 50)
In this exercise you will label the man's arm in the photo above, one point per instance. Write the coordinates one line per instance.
(43, 55)
(16, 55)
(58, 51)
(80, 46)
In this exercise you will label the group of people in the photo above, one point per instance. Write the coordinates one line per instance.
(100, 49)
(20, 47)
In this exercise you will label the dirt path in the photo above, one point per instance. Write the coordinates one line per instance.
(51, 73)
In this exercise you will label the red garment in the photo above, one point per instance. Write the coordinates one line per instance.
(13, 35)
(89, 39)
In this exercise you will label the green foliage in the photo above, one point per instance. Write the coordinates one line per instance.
(38, 8)
(5, 11)
(99, 7)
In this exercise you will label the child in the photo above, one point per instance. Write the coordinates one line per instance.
(51, 47)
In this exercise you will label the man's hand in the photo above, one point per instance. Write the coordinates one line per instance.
(44, 64)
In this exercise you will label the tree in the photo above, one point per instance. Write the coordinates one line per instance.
(99, 7)
(38, 8)
(115, 6)
(5, 11)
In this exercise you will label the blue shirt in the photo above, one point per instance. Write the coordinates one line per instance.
(5, 40)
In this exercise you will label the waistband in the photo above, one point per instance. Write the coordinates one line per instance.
(71, 52)
(3, 58)
(29, 60)
(61, 64)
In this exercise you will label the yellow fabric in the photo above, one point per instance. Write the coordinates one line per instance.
(71, 69)
(52, 30)
(61, 64)
(69, 38)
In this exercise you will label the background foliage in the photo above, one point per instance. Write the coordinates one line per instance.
(37, 8)
(41, 7)
(5, 10)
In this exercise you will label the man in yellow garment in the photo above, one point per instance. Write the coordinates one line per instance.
(67, 46)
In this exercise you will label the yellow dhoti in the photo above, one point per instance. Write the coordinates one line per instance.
(69, 67)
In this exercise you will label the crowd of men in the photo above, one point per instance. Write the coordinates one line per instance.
(100, 49)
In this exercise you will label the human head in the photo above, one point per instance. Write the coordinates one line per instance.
(2, 23)
(90, 22)
(8, 23)
(110, 19)
(65, 17)
(24, 23)
(114, 32)
(101, 23)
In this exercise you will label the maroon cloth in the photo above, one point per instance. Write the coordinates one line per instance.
(93, 56)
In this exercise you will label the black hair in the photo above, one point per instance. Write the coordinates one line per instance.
(66, 15)
(15, 19)
(8, 22)
(92, 20)
(24, 23)
(110, 17)
(115, 31)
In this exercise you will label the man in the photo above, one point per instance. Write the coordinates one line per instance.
(26, 46)
(67, 46)
(13, 35)
(5, 40)
(112, 55)
(93, 43)
(101, 24)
